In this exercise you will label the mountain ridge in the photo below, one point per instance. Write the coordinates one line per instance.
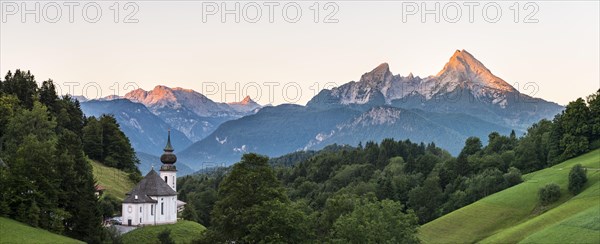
(464, 99)
(175, 98)
(186, 110)
(462, 84)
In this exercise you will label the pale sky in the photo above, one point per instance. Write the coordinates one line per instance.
(172, 46)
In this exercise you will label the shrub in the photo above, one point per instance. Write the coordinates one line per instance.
(112, 235)
(549, 194)
(165, 237)
(577, 179)
(513, 177)
(106, 208)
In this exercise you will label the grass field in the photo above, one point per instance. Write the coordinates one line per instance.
(583, 227)
(181, 232)
(12, 231)
(115, 181)
(513, 215)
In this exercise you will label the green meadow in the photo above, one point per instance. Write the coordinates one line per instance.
(514, 215)
(182, 232)
(12, 231)
(115, 181)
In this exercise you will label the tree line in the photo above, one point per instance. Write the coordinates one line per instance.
(45, 144)
(379, 191)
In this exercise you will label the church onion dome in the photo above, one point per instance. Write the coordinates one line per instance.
(168, 157)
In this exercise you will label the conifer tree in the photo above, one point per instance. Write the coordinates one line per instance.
(21, 84)
(92, 139)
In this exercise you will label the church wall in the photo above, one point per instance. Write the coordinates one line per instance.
(131, 212)
(169, 209)
(171, 178)
(150, 213)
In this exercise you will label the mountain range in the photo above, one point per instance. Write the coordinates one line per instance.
(145, 116)
(463, 99)
(464, 85)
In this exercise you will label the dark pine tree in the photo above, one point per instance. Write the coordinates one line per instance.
(21, 84)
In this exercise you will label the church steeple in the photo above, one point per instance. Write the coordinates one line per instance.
(168, 147)
(168, 158)
(168, 171)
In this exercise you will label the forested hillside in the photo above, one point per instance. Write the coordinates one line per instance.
(344, 193)
(45, 141)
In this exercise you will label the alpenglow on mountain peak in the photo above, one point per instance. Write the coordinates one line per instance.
(247, 100)
(163, 97)
(462, 71)
(463, 78)
(463, 67)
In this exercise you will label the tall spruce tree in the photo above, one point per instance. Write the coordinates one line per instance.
(80, 201)
(92, 139)
(116, 148)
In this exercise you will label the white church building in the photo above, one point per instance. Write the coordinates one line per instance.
(153, 200)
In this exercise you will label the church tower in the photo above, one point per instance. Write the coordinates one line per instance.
(168, 171)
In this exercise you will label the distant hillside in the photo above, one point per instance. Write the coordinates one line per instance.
(12, 231)
(272, 131)
(146, 131)
(449, 131)
(115, 181)
(182, 232)
(513, 215)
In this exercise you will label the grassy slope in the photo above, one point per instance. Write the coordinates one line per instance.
(583, 227)
(115, 181)
(181, 232)
(512, 215)
(12, 231)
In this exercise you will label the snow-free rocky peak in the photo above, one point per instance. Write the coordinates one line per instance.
(464, 85)
(245, 106)
(176, 98)
(246, 101)
(159, 96)
(464, 69)
(380, 73)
